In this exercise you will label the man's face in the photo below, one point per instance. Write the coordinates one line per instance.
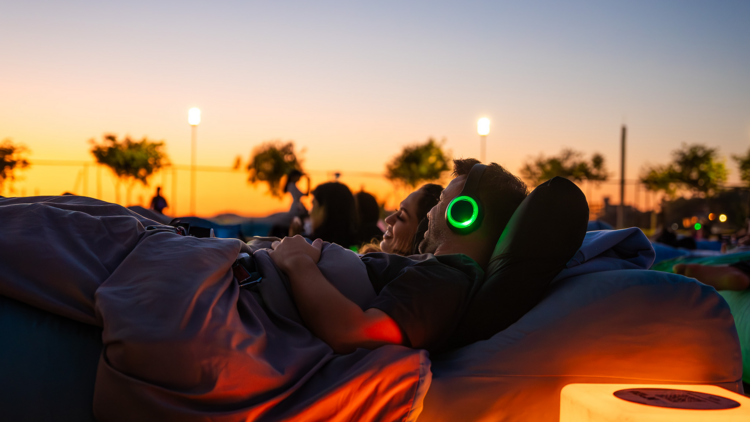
(438, 231)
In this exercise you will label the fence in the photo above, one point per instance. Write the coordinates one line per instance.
(226, 190)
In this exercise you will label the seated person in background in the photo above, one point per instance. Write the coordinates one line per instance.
(721, 277)
(333, 216)
(406, 227)
(158, 203)
(420, 300)
(368, 214)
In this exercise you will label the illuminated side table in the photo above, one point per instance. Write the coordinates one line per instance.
(679, 403)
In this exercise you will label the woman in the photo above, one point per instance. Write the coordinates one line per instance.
(406, 227)
(333, 215)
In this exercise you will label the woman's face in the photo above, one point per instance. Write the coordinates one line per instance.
(402, 226)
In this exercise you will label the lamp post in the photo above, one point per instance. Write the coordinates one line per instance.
(194, 118)
(483, 129)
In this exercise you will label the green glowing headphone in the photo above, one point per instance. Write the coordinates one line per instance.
(465, 212)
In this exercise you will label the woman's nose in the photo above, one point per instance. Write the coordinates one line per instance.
(390, 219)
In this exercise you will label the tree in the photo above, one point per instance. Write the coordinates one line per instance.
(270, 162)
(743, 161)
(695, 168)
(12, 158)
(131, 161)
(569, 164)
(418, 163)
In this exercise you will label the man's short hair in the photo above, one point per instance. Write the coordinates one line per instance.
(500, 192)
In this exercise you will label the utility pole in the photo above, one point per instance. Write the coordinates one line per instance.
(621, 208)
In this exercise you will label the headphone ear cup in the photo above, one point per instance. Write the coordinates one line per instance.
(463, 215)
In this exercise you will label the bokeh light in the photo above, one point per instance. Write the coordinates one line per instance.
(483, 126)
(723, 218)
(194, 116)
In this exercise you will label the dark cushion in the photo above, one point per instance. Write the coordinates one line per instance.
(48, 365)
(543, 234)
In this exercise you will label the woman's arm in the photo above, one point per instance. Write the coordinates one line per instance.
(327, 313)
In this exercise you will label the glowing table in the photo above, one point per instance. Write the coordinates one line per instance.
(598, 403)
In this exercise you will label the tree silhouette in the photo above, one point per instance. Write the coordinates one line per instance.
(418, 163)
(12, 158)
(696, 168)
(569, 164)
(131, 161)
(743, 161)
(270, 162)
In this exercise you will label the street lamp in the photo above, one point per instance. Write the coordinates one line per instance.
(483, 129)
(194, 118)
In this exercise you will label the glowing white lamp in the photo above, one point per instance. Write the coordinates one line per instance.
(483, 126)
(194, 116)
(666, 403)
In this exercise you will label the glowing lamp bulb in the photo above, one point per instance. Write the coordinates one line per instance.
(483, 126)
(194, 116)
(723, 218)
(651, 403)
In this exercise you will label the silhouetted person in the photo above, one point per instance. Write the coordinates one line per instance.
(158, 203)
(297, 209)
(368, 213)
(333, 215)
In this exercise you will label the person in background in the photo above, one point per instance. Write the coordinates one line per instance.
(368, 213)
(406, 227)
(158, 203)
(297, 209)
(333, 215)
(721, 277)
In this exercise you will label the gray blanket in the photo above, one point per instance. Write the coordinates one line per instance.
(182, 340)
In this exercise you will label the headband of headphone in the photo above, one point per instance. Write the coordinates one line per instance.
(465, 212)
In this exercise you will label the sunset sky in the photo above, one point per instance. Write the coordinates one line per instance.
(353, 83)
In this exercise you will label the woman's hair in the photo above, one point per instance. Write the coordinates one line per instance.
(338, 224)
(429, 198)
(294, 174)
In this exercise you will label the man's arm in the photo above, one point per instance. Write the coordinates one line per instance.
(327, 313)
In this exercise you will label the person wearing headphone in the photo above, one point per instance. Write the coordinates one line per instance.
(420, 299)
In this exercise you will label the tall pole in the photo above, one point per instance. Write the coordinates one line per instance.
(483, 129)
(192, 169)
(85, 179)
(621, 208)
(98, 181)
(173, 208)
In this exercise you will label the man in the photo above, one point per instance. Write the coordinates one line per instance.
(420, 299)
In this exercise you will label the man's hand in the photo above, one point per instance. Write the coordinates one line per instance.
(292, 251)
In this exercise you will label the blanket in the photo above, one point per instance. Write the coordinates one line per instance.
(181, 340)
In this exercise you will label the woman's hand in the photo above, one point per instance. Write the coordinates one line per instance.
(291, 251)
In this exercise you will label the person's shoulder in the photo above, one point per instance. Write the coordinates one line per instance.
(453, 263)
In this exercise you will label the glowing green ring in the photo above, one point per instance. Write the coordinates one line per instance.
(474, 214)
